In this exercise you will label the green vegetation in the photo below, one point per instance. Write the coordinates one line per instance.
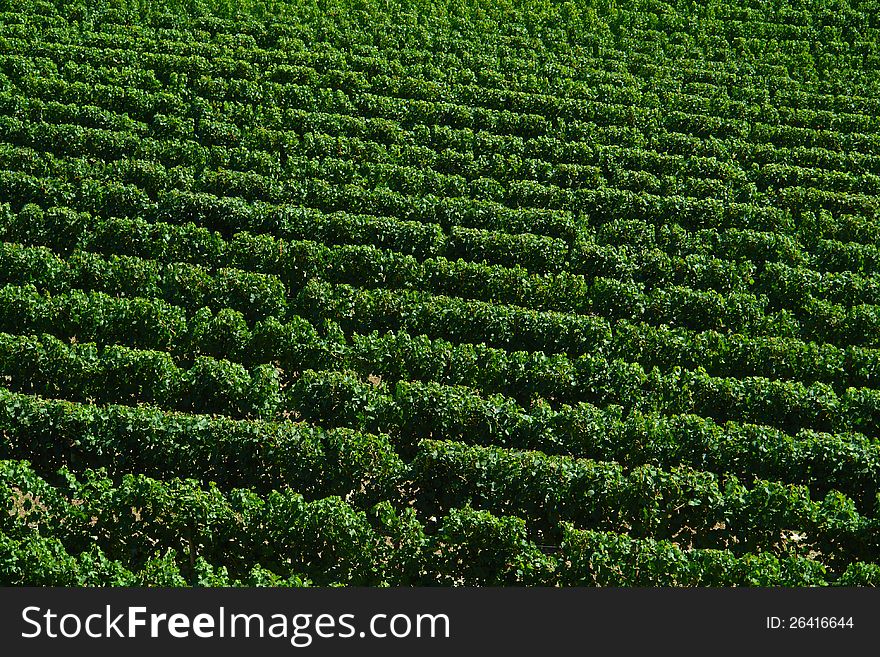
(439, 293)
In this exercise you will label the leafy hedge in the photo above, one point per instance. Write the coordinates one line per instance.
(483, 294)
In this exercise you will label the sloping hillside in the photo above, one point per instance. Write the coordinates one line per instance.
(364, 292)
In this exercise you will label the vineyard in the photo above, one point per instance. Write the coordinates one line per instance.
(362, 292)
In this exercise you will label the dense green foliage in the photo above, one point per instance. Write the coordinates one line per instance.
(439, 293)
